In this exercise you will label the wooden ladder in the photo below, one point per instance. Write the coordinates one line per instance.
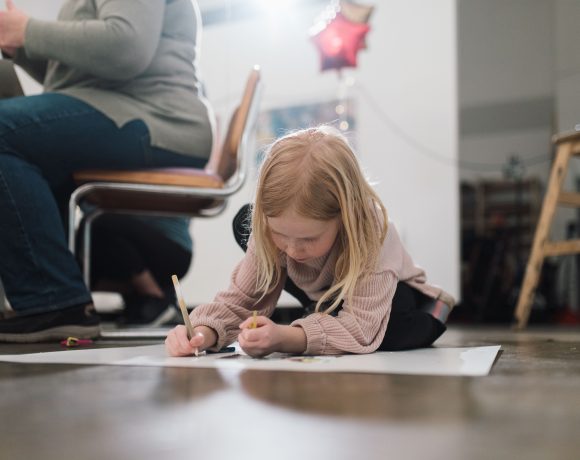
(567, 146)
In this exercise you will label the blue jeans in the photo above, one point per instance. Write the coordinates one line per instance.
(43, 140)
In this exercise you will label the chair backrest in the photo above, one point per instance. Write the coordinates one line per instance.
(226, 161)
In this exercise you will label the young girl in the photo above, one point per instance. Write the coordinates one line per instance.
(318, 226)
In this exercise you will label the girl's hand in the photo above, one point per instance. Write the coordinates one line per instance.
(177, 343)
(266, 338)
(13, 24)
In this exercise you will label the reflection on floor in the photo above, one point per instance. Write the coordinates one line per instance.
(528, 407)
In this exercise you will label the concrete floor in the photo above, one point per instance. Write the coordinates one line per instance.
(528, 407)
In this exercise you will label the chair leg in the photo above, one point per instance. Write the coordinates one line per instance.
(2, 299)
(72, 224)
(536, 260)
(86, 247)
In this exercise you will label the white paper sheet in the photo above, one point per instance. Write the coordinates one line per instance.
(474, 361)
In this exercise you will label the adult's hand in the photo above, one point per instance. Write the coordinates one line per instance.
(13, 24)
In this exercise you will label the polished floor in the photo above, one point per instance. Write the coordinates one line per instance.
(528, 408)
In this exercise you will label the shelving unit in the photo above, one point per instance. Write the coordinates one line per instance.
(498, 220)
(494, 207)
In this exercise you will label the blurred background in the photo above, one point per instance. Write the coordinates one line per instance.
(451, 106)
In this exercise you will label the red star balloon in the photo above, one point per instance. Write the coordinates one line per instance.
(339, 41)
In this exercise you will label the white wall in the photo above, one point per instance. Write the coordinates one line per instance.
(506, 83)
(409, 71)
(519, 83)
(567, 64)
(567, 76)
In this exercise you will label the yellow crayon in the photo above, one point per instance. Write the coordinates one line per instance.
(254, 324)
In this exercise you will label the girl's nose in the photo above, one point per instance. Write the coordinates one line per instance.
(293, 250)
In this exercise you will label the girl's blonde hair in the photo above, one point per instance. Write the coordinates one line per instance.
(315, 173)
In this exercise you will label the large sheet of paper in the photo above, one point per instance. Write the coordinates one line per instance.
(473, 361)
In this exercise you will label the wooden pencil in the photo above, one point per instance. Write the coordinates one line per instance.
(183, 308)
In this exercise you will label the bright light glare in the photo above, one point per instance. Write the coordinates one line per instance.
(279, 14)
(277, 10)
(275, 7)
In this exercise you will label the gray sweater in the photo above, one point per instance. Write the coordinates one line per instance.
(130, 59)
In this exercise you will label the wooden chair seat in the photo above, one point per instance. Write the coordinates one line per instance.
(151, 200)
(181, 177)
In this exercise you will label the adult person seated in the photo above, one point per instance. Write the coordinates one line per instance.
(120, 91)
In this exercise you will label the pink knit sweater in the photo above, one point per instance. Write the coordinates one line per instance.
(358, 328)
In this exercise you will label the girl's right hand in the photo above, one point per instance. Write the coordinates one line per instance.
(177, 343)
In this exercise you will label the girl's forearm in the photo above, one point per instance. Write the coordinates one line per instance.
(293, 339)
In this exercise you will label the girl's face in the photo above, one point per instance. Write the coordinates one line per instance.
(302, 238)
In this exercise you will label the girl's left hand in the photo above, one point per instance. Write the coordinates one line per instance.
(12, 27)
(262, 340)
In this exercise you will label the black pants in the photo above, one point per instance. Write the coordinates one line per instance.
(122, 246)
(409, 326)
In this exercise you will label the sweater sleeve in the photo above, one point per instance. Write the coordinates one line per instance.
(233, 305)
(361, 324)
(118, 45)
